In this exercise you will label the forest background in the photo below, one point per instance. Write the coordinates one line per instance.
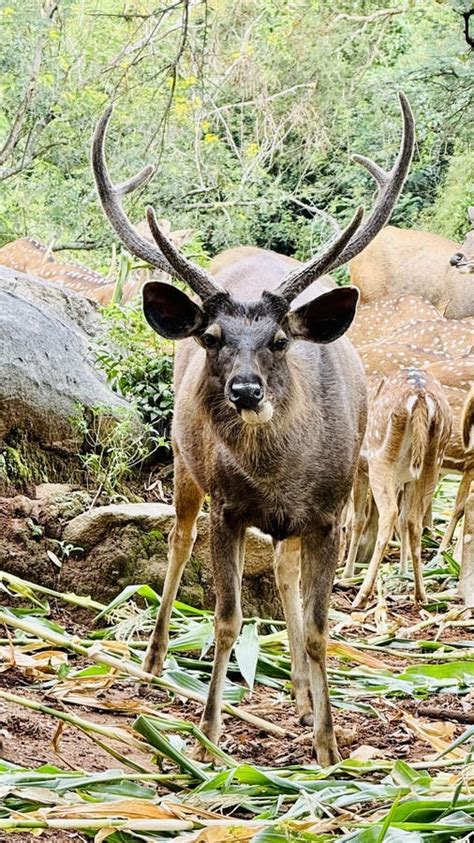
(249, 109)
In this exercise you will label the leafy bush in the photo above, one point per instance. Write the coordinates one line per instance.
(113, 447)
(138, 365)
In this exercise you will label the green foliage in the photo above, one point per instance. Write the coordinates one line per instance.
(448, 214)
(252, 108)
(139, 366)
(113, 447)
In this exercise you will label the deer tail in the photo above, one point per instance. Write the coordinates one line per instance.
(420, 425)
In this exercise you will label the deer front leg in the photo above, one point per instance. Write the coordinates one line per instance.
(227, 552)
(188, 499)
(287, 574)
(319, 557)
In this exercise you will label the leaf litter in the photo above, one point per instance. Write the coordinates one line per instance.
(92, 753)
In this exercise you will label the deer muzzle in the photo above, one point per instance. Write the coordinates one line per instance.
(247, 396)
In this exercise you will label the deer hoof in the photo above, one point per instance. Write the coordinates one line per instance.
(327, 754)
(306, 719)
(153, 664)
(201, 754)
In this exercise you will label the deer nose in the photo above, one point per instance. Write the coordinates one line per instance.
(457, 258)
(246, 395)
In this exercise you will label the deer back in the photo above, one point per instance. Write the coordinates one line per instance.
(406, 261)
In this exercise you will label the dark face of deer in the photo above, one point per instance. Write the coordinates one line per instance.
(464, 259)
(247, 343)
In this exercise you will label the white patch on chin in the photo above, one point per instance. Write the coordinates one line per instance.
(262, 417)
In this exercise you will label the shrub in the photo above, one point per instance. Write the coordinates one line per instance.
(139, 366)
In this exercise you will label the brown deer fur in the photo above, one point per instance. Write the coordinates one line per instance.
(270, 413)
(406, 261)
(408, 428)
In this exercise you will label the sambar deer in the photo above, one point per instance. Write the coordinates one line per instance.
(270, 412)
(409, 262)
(408, 429)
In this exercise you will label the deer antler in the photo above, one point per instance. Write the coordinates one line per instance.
(356, 236)
(167, 257)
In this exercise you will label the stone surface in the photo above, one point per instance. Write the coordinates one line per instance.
(127, 543)
(32, 526)
(66, 304)
(46, 373)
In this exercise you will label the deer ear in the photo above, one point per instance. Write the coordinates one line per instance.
(326, 317)
(170, 312)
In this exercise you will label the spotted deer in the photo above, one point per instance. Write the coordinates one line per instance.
(467, 422)
(410, 321)
(380, 319)
(406, 261)
(466, 576)
(270, 412)
(31, 256)
(457, 377)
(408, 429)
(446, 354)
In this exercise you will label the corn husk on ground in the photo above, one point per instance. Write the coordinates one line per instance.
(385, 664)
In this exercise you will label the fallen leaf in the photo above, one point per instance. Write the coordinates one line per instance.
(340, 648)
(437, 733)
(365, 752)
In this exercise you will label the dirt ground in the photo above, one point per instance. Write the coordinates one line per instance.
(30, 738)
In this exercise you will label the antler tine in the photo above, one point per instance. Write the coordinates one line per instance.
(110, 196)
(390, 186)
(135, 182)
(299, 279)
(377, 173)
(198, 279)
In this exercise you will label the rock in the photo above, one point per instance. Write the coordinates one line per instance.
(127, 543)
(46, 375)
(66, 304)
(29, 527)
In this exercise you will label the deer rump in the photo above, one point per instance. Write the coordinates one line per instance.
(408, 435)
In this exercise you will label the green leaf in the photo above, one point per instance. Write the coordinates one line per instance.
(247, 649)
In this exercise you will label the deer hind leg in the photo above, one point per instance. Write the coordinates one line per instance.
(227, 552)
(319, 557)
(188, 500)
(287, 574)
(420, 496)
(361, 485)
(385, 497)
(404, 509)
(458, 512)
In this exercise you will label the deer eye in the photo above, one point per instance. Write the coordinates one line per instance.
(210, 340)
(280, 342)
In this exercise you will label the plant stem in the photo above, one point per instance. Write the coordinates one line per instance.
(96, 654)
